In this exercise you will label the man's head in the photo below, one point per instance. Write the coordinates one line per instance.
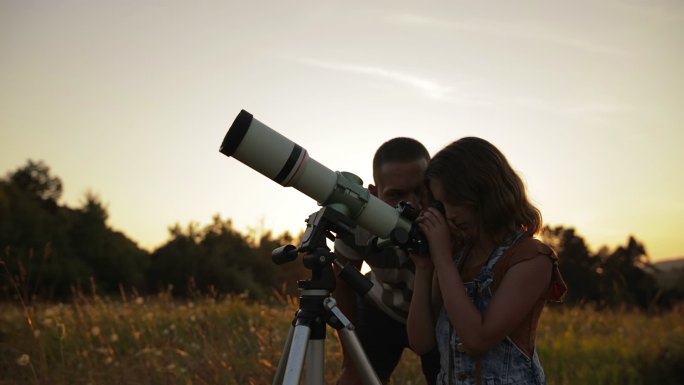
(398, 167)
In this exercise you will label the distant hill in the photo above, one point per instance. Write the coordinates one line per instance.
(670, 273)
(670, 264)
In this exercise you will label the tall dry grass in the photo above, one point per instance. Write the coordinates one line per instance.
(157, 340)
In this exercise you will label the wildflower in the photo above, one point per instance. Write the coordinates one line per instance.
(114, 337)
(36, 333)
(266, 363)
(23, 360)
(50, 312)
(103, 351)
(139, 301)
(61, 331)
(95, 331)
(144, 351)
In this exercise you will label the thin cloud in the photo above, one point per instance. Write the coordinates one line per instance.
(447, 94)
(565, 108)
(427, 87)
(517, 31)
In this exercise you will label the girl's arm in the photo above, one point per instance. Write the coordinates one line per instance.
(420, 324)
(522, 285)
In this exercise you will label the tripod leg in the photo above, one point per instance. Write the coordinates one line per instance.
(280, 371)
(315, 362)
(351, 342)
(295, 358)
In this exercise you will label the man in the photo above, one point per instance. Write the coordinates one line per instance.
(380, 317)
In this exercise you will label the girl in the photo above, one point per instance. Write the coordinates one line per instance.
(479, 294)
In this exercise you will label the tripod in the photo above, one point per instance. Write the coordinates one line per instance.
(305, 343)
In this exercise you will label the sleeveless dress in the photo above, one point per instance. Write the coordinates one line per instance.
(505, 363)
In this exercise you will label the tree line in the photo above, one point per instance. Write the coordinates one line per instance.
(51, 251)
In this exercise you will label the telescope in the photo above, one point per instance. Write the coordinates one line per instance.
(285, 162)
(346, 204)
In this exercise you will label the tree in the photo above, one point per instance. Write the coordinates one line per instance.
(35, 180)
(606, 279)
(35, 243)
(579, 267)
(218, 258)
(49, 248)
(625, 278)
(112, 257)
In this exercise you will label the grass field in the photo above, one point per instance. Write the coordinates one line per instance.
(232, 341)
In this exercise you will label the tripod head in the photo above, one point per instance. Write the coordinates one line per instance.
(316, 307)
(325, 223)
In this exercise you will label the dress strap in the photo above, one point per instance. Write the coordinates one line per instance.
(501, 250)
(558, 287)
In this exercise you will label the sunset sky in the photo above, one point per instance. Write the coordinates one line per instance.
(131, 100)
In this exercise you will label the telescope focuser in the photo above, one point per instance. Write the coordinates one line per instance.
(414, 240)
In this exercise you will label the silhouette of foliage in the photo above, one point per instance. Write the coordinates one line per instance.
(580, 268)
(608, 278)
(218, 258)
(49, 249)
(35, 181)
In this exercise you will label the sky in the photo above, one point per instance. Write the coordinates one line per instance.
(131, 100)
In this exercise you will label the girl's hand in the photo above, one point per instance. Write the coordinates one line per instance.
(434, 225)
(422, 261)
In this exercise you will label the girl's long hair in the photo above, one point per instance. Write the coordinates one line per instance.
(475, 173)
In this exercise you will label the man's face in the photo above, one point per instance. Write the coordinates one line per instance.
(400, 181)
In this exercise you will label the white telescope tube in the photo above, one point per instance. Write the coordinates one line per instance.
(285, 162)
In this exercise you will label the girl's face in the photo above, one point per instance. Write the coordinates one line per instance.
(461, 219)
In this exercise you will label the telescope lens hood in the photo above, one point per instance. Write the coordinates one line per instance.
(236, 133)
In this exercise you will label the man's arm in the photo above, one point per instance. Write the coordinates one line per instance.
(344, 294)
